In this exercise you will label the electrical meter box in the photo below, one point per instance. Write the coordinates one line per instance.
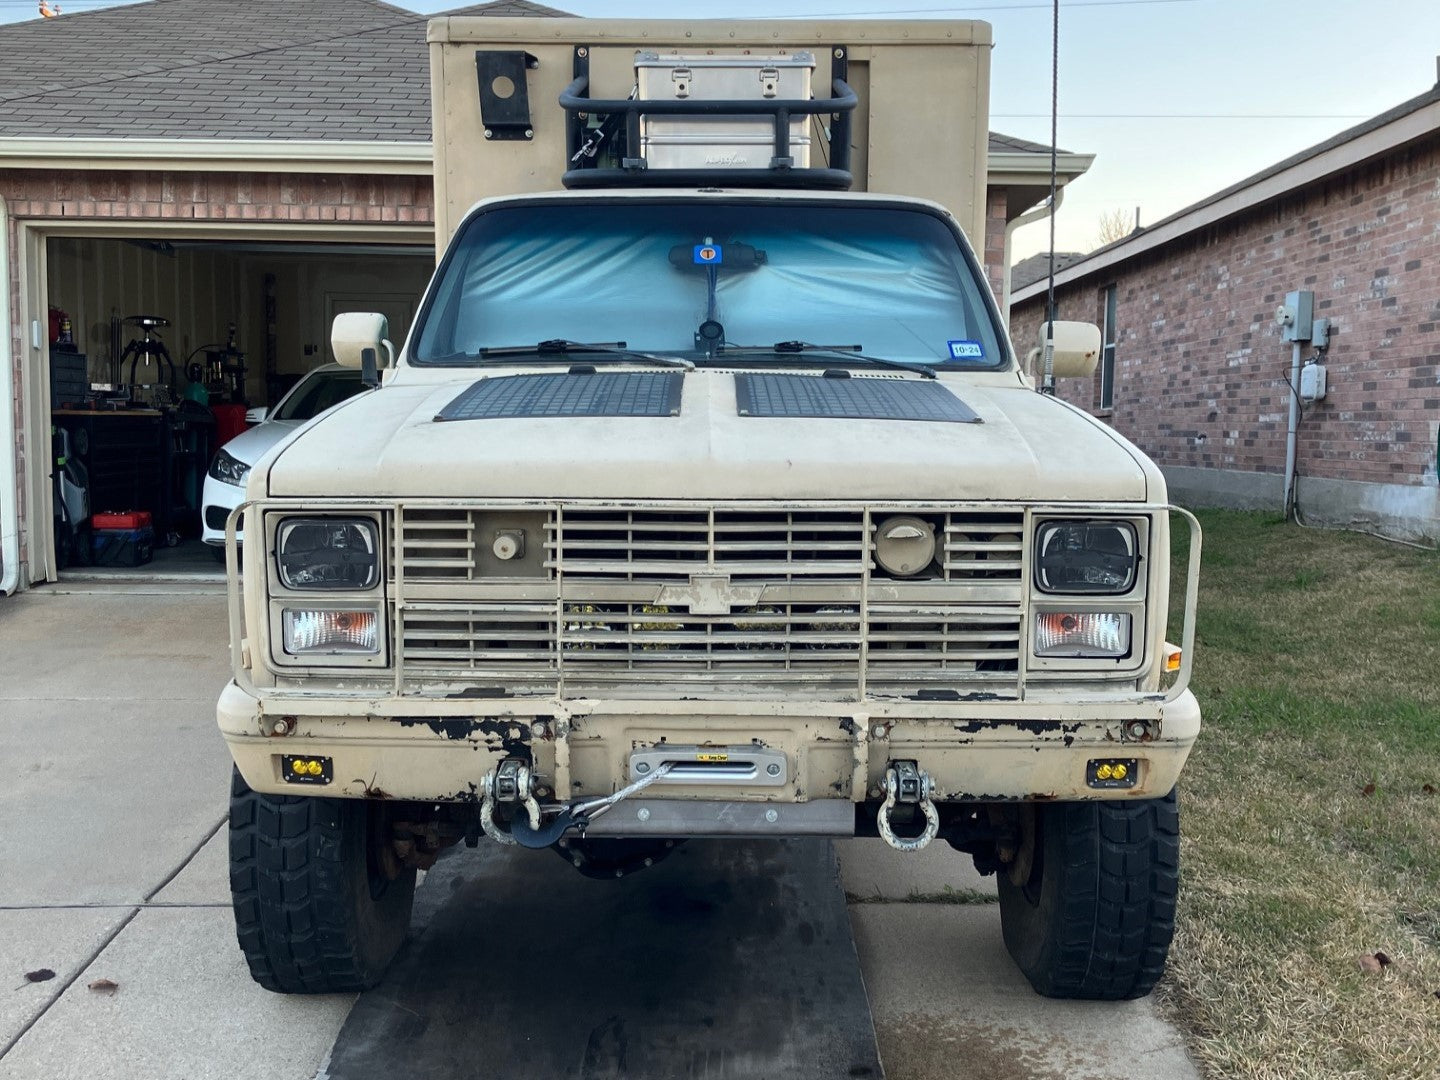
(721, 142)
(529, 105)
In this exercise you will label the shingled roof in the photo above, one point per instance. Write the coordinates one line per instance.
(231, 69)
(237, 69)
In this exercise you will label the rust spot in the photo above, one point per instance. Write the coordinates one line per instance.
(482, 692)
(451, 729)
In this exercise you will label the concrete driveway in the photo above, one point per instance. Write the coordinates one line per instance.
(112, 815)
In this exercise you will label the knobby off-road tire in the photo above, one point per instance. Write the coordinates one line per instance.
(313, 913)
(1096, 917)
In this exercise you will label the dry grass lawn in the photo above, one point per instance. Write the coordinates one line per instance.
(1310, 812)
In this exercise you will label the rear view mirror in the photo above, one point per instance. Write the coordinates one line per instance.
(256, 415)
(355, 332)
(1077, 350)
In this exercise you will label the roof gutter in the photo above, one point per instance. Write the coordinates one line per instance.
(221, 155)
(1021, 167)
(1038, 213)
(9, 496)
(342, 156)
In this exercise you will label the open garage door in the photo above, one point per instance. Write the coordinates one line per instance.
(170, 364)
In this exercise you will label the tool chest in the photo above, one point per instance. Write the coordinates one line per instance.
(721, 141)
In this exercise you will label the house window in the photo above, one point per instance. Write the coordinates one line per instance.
(1107, 353)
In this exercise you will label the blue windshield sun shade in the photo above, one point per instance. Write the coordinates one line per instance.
(569, 394)
(850, 399)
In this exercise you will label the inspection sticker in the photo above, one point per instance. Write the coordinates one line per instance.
(966, 350)
(709, 254)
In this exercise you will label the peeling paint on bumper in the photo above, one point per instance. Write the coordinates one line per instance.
(439, 750)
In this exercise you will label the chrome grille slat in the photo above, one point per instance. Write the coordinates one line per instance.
(590, 610)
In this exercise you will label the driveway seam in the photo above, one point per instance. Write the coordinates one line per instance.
(135, 909)
(142, 906)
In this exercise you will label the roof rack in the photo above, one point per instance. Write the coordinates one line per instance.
(614, 125)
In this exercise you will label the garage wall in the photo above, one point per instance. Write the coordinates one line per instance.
(200, 292)
(305, 286)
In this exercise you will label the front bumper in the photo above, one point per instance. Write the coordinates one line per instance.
(439, 750)
(217, 500)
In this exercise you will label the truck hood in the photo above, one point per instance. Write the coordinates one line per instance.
(1028, 447)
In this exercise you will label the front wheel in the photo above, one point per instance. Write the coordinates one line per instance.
(315, 911)
(1095, 915)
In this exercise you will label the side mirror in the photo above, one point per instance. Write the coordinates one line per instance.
(257, 415)
(1077, 350)
(355, 333)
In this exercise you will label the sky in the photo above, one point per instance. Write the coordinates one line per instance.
(1175, 98)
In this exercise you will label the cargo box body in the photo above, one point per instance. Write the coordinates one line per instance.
(920, 127)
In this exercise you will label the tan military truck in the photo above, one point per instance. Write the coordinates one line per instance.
(707, 498)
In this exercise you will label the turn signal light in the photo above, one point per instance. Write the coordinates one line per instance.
(327, 631)
(1173, 657)
(306, 769)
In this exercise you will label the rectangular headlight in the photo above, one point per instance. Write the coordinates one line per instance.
(328, 553)
(1082, 634)
(1093, 557)
(311, 632)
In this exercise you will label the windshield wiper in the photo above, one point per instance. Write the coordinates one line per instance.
(850, 352)
(565, 347)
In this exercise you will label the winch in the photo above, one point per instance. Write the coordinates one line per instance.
(512, 782)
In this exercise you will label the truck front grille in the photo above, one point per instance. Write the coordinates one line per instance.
(635, 545)
(761, 601)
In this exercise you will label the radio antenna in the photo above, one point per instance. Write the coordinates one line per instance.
(1047, 384)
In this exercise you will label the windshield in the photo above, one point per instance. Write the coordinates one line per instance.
(894, 282)
(317, 392)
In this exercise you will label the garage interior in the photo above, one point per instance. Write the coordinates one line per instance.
(160, 352)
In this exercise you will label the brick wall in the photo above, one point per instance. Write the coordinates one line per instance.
(162, 196)
(1201, 367)
(993, 252)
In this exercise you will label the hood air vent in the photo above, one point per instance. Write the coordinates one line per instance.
(848, 399)
(509, 397)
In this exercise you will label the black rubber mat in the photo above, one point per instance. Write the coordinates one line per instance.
(729, 959)
(851, 399)
(611, 393)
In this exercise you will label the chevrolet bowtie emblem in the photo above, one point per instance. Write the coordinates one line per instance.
(709, 593)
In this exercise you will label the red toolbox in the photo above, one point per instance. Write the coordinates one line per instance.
(121, 519)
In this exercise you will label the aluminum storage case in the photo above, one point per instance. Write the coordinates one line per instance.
(721, 142)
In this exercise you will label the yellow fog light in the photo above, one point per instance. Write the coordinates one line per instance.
(1112, 772)
(306, 769)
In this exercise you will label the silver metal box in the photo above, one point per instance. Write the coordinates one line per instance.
(721, 142)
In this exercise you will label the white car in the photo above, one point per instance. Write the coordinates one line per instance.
(327, 385)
